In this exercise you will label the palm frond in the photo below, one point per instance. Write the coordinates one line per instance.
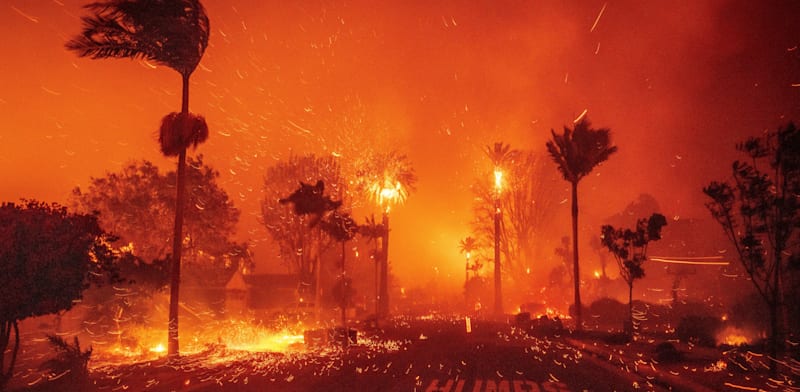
(173, 33)
(179, 131)
(577, 151)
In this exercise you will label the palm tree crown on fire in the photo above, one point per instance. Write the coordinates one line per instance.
(576, 152)
(501, 155)
(172, 33)
(386, 179)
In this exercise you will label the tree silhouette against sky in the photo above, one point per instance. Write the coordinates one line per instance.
(576, 152)
(759, 211)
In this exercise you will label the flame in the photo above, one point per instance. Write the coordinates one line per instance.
(388, 192)
(498, 179)
(147, 343)
(159, 348)
(733, 336)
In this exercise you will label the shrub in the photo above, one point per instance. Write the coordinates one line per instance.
(70, 365)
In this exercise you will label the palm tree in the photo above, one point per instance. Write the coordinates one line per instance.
(500, 154)
(466, 247)
(388, 179)
(173, 33)
(576, 152)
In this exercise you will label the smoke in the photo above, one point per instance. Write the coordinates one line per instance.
(677, 83)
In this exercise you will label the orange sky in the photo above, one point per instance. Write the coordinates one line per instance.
(678, 83)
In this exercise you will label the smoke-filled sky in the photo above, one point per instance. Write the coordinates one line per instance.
(677, 82)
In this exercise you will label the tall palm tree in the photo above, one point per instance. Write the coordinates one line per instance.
(500, 154)
(576, 152)
(172, 33)
(388, 179)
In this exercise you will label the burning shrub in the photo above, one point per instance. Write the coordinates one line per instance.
(700, 330)
(69, 368)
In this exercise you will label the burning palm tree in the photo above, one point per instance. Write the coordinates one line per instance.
(387, 179)
(500, 154)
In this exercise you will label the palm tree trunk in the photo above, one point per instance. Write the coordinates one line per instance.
(498, 292)
(629, 327)
(177, 240)
(344, 297)
(576, 269)
(384, 289)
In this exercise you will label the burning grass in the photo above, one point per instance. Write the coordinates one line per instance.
(143, 343)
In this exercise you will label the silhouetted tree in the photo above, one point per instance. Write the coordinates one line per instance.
(173, 33)
(137, 202)
(299, 242)
(48, 257)
(629, 248)
(576, 152)
(310, 200)
(760, 213)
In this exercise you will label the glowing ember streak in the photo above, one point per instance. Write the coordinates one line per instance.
(742, 387)
(691, 260)
(597, 20)
(578, 119)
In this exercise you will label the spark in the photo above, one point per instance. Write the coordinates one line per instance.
(578, 119)
(51, 92)
(148, 64)
(26, 16)
(597, 20)
(742, 387)
(299, 127)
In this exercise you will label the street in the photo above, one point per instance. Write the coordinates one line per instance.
(410, 355)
